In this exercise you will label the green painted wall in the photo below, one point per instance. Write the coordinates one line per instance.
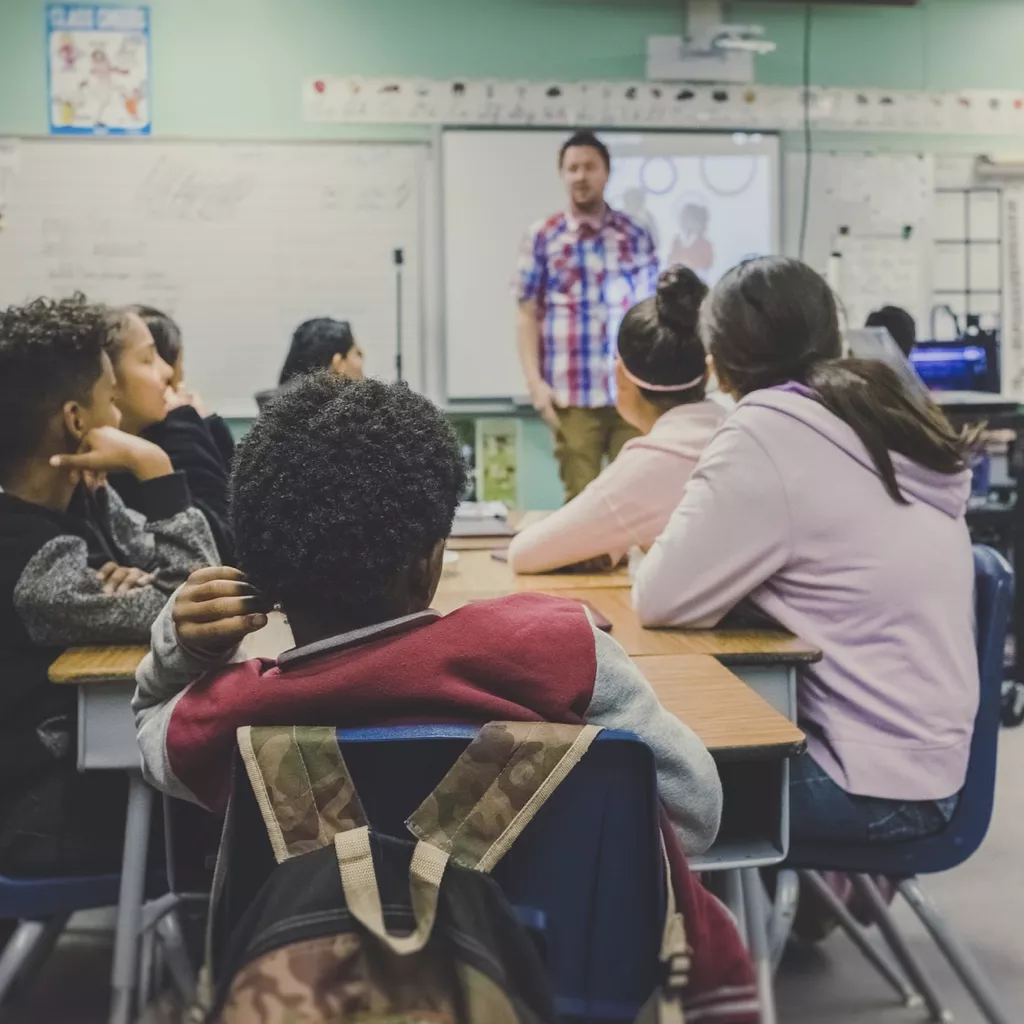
(233, 68)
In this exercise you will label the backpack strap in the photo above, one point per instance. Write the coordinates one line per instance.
(359, 880)
(302, 785)
(496, 787)
(307, 799)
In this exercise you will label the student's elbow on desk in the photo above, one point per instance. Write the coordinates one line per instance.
(657, 605)
(688, 781)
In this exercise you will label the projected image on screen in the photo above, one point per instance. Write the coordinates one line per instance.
(710, 199)
(705, 212)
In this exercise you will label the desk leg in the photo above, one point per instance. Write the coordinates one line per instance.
(734, 901)
(757, 929)
(129, 906)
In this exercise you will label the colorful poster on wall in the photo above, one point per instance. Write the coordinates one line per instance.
(98, 69)
(498, 460)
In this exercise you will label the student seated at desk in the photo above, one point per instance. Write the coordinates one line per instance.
(900, 325)
(344, 494)
(167, 338)
(150, 408)
(75, 568)
(322, 343)
(660, 375)
(835, 501)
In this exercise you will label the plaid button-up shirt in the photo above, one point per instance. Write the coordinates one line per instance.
(584, 277)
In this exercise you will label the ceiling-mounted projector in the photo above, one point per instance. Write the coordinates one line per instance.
(712, 50)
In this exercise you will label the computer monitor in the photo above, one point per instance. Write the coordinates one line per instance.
(970, 364)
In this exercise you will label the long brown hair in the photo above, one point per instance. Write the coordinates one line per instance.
(772, 320)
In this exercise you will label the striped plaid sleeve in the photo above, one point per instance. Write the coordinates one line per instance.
(647, 264)
(531, 275)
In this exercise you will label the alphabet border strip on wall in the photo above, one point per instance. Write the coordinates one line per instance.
(380, 100)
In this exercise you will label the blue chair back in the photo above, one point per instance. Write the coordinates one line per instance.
(993, 600)
(37, 899)
(586, 871)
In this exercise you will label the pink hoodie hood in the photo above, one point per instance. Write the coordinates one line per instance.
(948, 493)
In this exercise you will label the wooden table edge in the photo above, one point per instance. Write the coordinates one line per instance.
(764, 752)
(60, 675)
(768, 657)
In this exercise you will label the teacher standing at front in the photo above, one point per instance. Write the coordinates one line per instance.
(579, 271)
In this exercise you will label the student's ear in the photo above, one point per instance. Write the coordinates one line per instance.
(75, 422)
(425, 575)
(338, 365)
(722, 385)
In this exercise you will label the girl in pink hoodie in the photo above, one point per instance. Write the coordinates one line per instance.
(834, 501)
(660, 376)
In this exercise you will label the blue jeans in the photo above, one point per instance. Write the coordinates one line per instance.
(821, 811)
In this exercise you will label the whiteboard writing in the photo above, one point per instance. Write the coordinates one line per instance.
(238, 242)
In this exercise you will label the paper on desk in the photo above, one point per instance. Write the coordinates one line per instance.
(469, 510)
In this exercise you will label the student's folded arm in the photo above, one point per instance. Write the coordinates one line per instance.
(591, 525)
(688, 782)
(171, 536)
(729, 534)
(160, 680)
(60, 601)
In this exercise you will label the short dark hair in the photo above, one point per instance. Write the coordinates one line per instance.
(314, 345)
(899, 323)
(166, 333)
(339, 485)
(773, 320)
(51, 352)
(586, 138)
(658, 339)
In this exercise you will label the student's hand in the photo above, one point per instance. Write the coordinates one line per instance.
(543, 399)
(108, 450)
(216, 609)
(120, 579)
(182, 395)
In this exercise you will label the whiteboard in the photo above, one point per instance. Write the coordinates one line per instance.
(860, 204)
(238, 242)
(497, 183)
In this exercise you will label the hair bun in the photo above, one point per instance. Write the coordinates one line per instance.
(678, 299)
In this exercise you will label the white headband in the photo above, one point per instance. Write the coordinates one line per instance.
(659, 387)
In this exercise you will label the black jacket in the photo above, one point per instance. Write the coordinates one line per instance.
(51, 598)
(202, 450)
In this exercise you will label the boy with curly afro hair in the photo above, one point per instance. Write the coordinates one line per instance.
(75, 568)
(344, 493)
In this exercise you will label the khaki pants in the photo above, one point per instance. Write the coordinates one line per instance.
(584, 437)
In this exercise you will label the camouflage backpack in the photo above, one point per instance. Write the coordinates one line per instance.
(353, 925)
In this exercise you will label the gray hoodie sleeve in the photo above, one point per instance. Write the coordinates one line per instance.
(60, 600)
(171, 535)
(162, 677)
(688, 782)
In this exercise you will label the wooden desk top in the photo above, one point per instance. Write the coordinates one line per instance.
(730, 646)
(78, 665)
(730, 718)
(477, 572)
(83, 665)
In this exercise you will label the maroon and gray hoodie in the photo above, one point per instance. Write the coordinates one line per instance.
(527, 657)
